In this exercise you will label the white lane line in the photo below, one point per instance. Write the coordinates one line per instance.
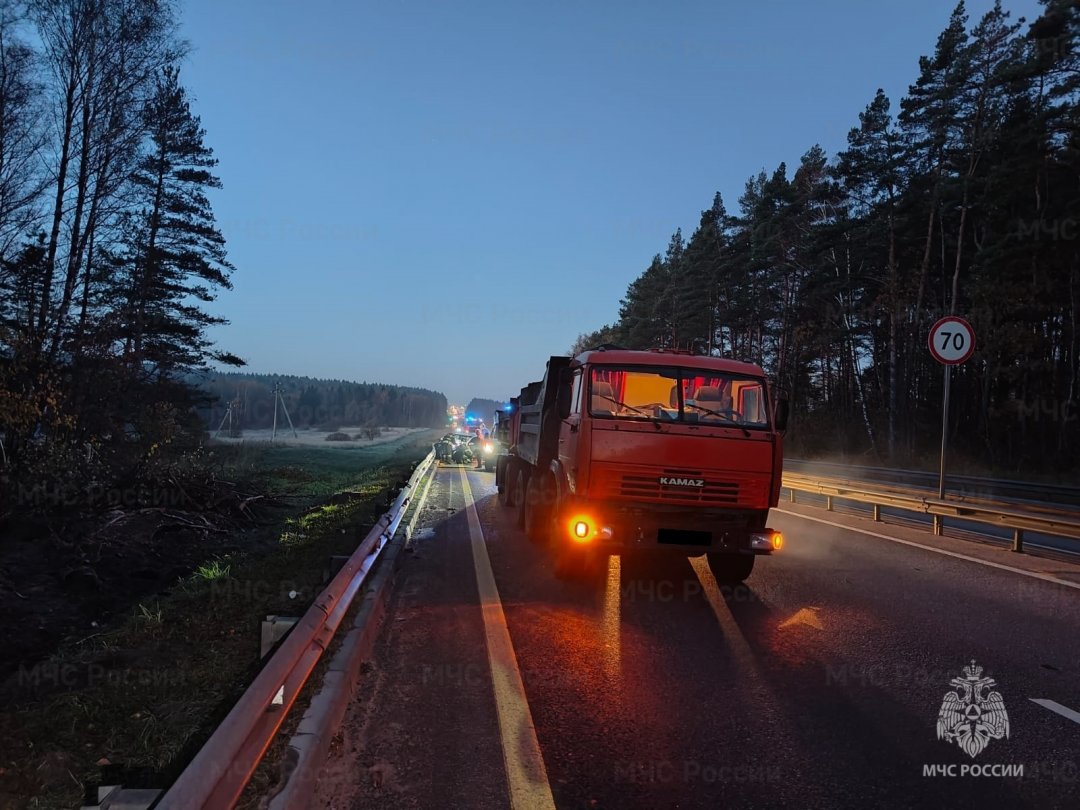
(1053, 706)
(1022, 572)
(411, 527)
(525, 771)
(729, 628)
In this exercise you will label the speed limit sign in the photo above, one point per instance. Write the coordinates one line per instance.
(952, 341)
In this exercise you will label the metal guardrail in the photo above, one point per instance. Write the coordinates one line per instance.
(218, 774)
(961, 484)
(960, 499)
(1002, 515)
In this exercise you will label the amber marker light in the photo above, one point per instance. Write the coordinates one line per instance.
(581, 529)
(768, 540)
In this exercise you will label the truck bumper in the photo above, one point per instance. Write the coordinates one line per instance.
(620, 531)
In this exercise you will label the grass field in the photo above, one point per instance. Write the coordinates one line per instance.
(135, 700)
(317, 438)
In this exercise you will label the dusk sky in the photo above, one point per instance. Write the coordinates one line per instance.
(444, 194)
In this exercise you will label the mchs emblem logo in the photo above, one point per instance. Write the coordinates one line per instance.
(969, 716)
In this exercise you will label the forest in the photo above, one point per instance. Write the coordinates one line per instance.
(962, 199)
(484, 409)
(321, 404)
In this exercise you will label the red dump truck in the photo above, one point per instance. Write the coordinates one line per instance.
(620, 451)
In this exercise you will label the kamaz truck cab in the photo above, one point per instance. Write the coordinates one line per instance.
(648, 451)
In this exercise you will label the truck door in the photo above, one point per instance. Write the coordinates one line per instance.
(569, 431)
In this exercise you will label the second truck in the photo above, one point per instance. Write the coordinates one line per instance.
(626, 452)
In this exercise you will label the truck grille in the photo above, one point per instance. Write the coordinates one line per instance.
(726, 491)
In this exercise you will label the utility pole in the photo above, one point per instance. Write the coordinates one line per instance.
(228, 416)
(278, 397)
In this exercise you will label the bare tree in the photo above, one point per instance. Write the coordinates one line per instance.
(21, 136)
(101, 57)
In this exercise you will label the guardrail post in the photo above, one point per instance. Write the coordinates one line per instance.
(828, 502)
(877, 512)
(116, 796)
(273, 630)
(1018, 540)
(939, 524)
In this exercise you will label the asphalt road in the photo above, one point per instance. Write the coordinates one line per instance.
(818, 685)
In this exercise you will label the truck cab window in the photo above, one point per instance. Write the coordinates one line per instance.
(653, 393)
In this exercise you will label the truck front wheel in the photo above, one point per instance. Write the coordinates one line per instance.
(731, 569)
(575, 564)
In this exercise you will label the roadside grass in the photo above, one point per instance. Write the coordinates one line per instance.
(135, 701)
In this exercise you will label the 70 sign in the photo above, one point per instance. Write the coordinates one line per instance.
(952, 341)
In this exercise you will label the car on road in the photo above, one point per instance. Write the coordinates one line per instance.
(490, 449)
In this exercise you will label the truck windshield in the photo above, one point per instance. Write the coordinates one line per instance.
(677, 394)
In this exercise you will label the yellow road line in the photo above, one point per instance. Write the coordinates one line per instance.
(525, 771)
(733, 635)
(611, 626)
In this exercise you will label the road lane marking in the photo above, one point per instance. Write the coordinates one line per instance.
(740, 647)
(610, 626)
(806, 616)
(410, 527)
(1021, 571)
(1056, 707)
(525, 771)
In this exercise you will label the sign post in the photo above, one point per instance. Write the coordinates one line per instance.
(951, 342)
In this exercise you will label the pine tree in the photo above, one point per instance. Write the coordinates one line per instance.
(930, 121)
(176, 253)
(640, 323)
(869, 172)
(696, 295)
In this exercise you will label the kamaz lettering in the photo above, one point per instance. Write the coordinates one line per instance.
(682, 482)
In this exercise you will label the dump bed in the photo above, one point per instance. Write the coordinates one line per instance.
(538, 418)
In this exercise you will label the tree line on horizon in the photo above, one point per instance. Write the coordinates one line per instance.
(965, 200)
(314, 403)
(483, 408)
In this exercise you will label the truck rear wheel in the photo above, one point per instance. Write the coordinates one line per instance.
(731, 569)
(505, 478)
(521, 481)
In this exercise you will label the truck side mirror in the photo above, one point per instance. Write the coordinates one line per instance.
(780, 416)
